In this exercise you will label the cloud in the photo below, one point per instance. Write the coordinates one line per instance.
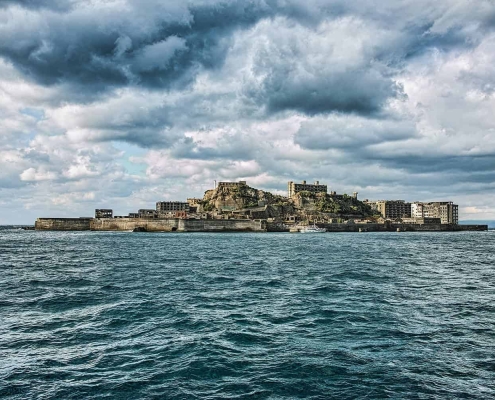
(349, 132)
(121, 103)
(58, 5)
(315, 70)
(36, 175)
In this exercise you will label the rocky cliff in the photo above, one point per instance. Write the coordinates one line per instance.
(262, 204)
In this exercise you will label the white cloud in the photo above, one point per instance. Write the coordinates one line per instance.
(36, 175)
(389, 99)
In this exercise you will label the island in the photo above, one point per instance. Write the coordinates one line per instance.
(236, 206)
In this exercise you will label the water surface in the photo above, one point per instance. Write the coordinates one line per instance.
(222, 316)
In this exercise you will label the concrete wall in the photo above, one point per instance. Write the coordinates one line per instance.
(470, 227)
(224, 225)
(62, 224)
(150, 225)
(273, 227)
(221, 225)
(129, 224)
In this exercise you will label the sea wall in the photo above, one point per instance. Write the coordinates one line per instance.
(63, 224)
(225, 225)
(176, 224)
(151, 225)
(129, 224)
(438, 227)
(221, 225)
(273, 227)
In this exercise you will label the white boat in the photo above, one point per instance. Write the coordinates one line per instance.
(312, 229)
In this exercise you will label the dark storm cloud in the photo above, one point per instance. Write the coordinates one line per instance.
(58, 5)
(114, 50)
(481, 167)
(363, 91)
(351, 133)
(94, 48)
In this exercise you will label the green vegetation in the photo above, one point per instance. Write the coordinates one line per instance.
(303, 203)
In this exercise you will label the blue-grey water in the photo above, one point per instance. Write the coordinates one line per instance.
(88, 315)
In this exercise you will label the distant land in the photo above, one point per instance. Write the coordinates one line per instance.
(491, 224)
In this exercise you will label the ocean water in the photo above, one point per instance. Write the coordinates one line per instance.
(89, 315)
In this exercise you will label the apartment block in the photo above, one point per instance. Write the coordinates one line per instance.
(392, 209)
(294, 188)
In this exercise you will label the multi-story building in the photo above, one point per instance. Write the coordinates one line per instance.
(166, 207)
(294, 188)
(147, 213)
(417, 209)
(103, 213)
(392, 209)
(447, 211)
(232, 184)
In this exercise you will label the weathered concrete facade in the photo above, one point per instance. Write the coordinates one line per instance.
(163, 207)
(129, 224)
(293, 188)
(63, 224)
(149, 224)
(103, 213)
(387, 227)
(226, 225)
(220, 225)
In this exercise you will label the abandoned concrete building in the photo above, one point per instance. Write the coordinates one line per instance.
(447, 211)
(103, 213)
(392, 209)
(293, 188)
(147, 213)
(232, 184)
(165, 207)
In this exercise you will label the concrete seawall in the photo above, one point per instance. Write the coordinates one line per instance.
(63, 224)
(387, 227)
(226, 225)
(129, 224)
(150, 225)
(221, 225)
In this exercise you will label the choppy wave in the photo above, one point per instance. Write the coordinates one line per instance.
(234, 316)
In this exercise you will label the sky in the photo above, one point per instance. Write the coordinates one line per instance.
(122, 103)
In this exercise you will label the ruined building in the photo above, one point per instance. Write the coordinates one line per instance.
(294, 188)
(147, 213)
(447, 211)
(232, 184)
(165, 207)
(392, 209)
(103, 213)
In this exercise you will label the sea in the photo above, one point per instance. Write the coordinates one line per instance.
(122, 315)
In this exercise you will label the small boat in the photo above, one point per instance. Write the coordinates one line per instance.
(312, 229)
